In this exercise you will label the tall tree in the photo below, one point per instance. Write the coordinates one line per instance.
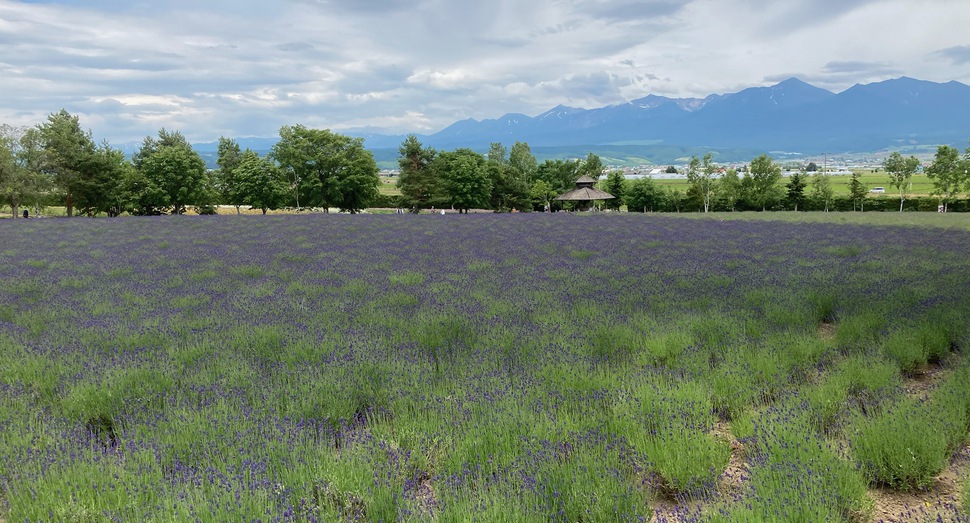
(765, 174)
(258, 183)
(701, 178)
(592, 167)
(858, 191)
(67, 150)
(643, 195)
(522, 160)
(822, 189)
(229, 159)
(615, 184)
(948, 174)
(509, 188)
(327, 169)
(561, 175)
(99, 189)
(541, 193)
(497, 153)
(901, 171)
(796, 188)
(730, 186)
(465, 176)
(174, 174)
(21, 180)
(419, 185)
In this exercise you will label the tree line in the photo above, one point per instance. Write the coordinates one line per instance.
(57, 161)
(501, 180)
(758, 186)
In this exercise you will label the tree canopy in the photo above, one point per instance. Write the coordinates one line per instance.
(948, 173)
(764, 176)
(327, 169)
(465, 176)
(900, 171)
(175, 175)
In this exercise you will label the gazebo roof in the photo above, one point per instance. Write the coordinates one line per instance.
(585, 191)
(585, 194)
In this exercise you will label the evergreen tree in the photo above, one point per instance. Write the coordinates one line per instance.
(857, 191)
(420, 187)
(796, 188)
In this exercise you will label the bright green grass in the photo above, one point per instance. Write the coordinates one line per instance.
(921, 185)
(892, 219)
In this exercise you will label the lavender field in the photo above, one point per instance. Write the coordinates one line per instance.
(519, 368)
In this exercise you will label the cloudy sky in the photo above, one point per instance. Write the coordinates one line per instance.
(246, 67)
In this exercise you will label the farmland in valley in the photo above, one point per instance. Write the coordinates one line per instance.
(496, 367)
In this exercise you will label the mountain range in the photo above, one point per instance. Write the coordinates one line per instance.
(792, 116)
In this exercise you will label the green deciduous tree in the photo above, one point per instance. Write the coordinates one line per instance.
(327, 169)
(173, 175)
(509, 187)
(822, 192)
(730, 188)
(522, 160)
(643, 195)
(858, 191)
(229, 159)
(21, 180)
(948, 174)
(901, 171)
(465, 176)
(592, 166)
(258, 183)
(765, 174)
(701, 179)
(561, 175)
(541, 193)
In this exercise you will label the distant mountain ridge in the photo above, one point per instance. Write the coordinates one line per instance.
(789, 116)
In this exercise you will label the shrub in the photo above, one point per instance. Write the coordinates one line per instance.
(796, 476)
(687, 461)
(588, 485)
(904, 447)
(826, 402)
(859, 332)
(870, 380)
(906, 349)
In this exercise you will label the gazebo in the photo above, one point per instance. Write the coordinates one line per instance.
(584, 193)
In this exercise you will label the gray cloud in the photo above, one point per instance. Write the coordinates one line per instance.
(625, 11)
(958, 55)
(247, 67)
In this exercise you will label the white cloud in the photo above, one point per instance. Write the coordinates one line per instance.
(246, 68)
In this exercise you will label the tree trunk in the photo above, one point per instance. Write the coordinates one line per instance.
(70, 205)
